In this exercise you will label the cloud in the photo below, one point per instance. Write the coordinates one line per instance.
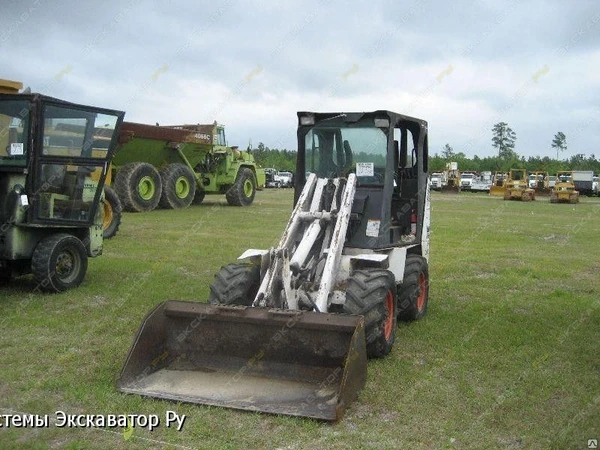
(463, 66)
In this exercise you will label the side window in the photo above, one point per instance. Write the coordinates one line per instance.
(14, 132)
(64, 136)
(221, 137)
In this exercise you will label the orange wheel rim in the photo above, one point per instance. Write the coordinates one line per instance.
(388, 325)
(422, 289)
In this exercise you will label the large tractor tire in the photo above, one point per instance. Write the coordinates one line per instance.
(243, 190)
(199, 197)
(113, 211)
(235, 284)
(59, 263)
(413, 294)
(372, 294)
(139, 187)
(178, 186)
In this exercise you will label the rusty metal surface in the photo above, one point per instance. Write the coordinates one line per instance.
(202, 135)
(295, 363)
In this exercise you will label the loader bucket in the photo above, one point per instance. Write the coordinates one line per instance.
(296, 363)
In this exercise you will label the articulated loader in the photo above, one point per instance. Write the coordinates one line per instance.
(54, 158)
(289, 329)
(452, 175)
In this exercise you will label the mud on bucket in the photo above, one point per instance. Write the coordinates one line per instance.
(296, 363)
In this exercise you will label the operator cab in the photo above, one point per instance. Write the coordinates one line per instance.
(388, 154)
(61, 162)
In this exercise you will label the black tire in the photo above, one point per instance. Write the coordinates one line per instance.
(139, 186)
(59, 263)
(413, 293)
(243, 190)
(112, 214)
(5, 276)
(372, 294)
(199, 197)
(235, 284)
(178, 186)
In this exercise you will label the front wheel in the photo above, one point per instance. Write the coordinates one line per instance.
(59, 263)
(243, 190)
(413, 293)
(372, 294)
(235, 284)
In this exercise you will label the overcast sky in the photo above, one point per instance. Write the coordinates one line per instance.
(461, 65)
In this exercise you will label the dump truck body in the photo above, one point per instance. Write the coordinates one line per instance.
(289, 329)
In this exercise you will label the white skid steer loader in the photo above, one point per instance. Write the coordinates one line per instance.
(289, 330)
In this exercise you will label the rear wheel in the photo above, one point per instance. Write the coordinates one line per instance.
(178, 186)
(243, 190)
(235, 284)
(139, 186)
(59, 263)
(372, 294)
(413, 293)
(113, 210)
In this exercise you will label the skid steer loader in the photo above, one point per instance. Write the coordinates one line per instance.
(289, 330)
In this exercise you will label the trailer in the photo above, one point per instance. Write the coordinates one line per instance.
(584, 181)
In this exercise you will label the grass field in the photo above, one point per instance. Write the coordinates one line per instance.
(507, 357)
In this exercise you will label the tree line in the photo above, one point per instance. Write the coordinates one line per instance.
(503, 140)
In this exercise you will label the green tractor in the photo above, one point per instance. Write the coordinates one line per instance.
(173, 166)
(54, 158)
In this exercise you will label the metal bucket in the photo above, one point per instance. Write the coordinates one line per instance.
(296, 363)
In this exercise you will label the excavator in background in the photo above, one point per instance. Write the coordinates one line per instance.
(288, 330)
(452, 176)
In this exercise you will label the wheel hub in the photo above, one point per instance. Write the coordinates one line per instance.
(146, 188)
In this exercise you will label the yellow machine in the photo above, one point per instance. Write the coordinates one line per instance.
(452, 175)
(498, 184)
(541, 182)
(517, 187)
(564, 189)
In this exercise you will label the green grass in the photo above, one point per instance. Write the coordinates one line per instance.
(507, 357)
